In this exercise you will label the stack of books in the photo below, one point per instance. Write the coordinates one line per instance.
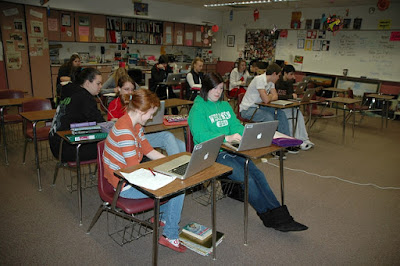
(85, 131)
(170, 120)
(198, 238)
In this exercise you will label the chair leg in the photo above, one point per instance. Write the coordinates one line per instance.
(58, 165)
(102, 208)
(25, 146)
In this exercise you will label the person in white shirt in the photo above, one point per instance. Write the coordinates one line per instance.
(237, 79)
(262, 89)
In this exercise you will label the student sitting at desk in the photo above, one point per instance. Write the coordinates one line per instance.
(195, 75)
(117, 108)
(238, 78)
(125, 146)
(79, 107)
(284, 87)
(262, 89)
(211, 117)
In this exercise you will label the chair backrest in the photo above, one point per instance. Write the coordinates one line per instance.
(35, 105)
(240, 98)
(11, 94)
(189, 140)
(136, 74)
(106, 190)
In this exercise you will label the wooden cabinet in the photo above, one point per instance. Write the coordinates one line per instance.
(67, 27)
(198, 41)
(98, 28)
(82, 27)
(53, 25)
(209, 67)
(168, 33)
(105, 71)
(179, 31)
(189, 34)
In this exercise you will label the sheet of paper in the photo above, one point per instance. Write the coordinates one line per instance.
(281, 135)
(145, 178)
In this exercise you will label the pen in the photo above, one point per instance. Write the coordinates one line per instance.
(151, 171)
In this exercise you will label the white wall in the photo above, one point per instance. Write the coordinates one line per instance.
(243, 20)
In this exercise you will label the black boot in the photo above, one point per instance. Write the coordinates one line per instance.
(280, 219)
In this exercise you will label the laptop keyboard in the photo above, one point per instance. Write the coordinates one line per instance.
(180, 170)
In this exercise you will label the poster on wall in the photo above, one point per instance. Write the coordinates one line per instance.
(37, 28)
(141, 9)
(52, 24)
(308, 45)
(300, 44)
(13, 60)
(298, 59)
(19, 25)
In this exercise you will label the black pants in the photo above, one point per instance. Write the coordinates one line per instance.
(86, 151)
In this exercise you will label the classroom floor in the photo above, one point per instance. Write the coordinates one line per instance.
(349, 223)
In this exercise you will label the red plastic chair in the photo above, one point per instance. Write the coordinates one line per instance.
(231, 97)
(112, 202)
(242, 119)
(11, 94)
(42, 133)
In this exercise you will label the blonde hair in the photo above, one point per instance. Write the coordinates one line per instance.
(119, 73)
(197, 59)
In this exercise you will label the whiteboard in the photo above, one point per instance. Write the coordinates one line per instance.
(368, 54)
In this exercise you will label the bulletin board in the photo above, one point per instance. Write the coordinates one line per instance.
(260, 44)
(367, 53)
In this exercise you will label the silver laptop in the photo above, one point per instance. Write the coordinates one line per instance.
(172, 79)
(255, 135)
(301, 87)
(203, 156)
(158, 117)
(248, 80)
(306, 97)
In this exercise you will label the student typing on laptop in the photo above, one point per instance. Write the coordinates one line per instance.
(211, 117)
(126, 145)
(284, 87)
(164, 139)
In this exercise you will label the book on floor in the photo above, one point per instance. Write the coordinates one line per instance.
(203, 248)
(197, 230)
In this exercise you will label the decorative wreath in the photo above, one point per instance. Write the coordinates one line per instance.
(383, 4)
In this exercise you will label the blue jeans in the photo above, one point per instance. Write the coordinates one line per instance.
(264, 114)
(261, 196)
(166, 141)
(171, 211)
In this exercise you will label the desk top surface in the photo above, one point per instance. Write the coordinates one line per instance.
(160, 127)
(177, 185)
(17, 101)
(334, 89)
(343, 100)
(174, 102)
(380, 96)
(38, 115)
(294, 104)
(254, 153)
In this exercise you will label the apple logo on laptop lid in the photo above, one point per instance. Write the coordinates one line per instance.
(206, 156)
(259, 136)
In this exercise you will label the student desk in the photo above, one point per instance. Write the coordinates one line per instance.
(175, 187)
(78, 144)
(175, 102)
(8, 103)
(345, 102)
(335, 91)
(34, 117)
(255, 154)
(385, 107)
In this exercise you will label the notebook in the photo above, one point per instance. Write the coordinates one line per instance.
(203, 156)
(282, 102)
(158, 117)
(255, 135)
(306, 97)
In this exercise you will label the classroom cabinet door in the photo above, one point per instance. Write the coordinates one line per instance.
(197, 36)
(67, 21)
(189, 34)
(98, 28)
(179, 34)
(53, 25)
(168, 33)
(15, 45)
(82, 27)
(39, 57)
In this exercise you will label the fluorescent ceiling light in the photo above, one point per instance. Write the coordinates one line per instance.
(246, 3)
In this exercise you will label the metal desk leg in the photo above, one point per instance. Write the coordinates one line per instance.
(79, 183)
(281, 176)
(344, 123)
(246, 199)
(155, 229)
(297, 118)
(36, 155)
(386, 104)
(3, 131)
(213, 214)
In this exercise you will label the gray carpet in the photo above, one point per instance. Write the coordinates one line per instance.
(348, 223)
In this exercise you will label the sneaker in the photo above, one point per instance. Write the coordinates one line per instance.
(277, 154)
(306, 145)
(161, 223)
(172, 244)
(293, 150)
